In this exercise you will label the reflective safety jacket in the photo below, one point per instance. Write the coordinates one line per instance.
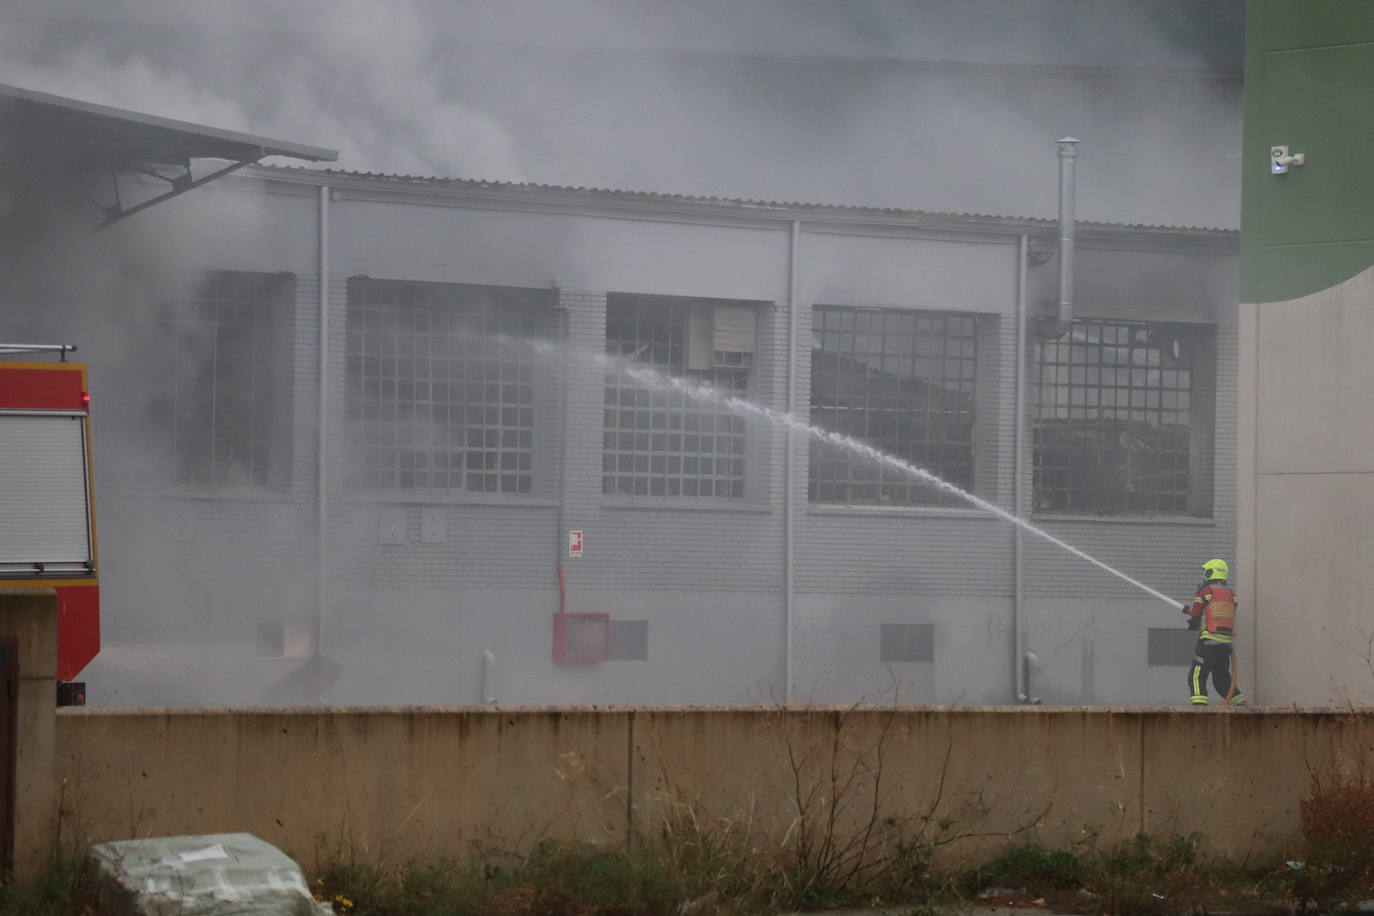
(1215, 605)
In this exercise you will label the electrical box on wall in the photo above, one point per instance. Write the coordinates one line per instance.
(581, 637)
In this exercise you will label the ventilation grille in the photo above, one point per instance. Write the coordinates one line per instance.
(907, 642)
(286, 638)
(629, 641)
(1172, 647)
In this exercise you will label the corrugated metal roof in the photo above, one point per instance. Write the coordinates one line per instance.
(591, 194)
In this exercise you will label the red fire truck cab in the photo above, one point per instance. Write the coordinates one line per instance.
(47, 504)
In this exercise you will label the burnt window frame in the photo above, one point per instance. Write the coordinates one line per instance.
(465, 420)
(1158, 460)
(840, 331)
(652, 440)
(239, 394)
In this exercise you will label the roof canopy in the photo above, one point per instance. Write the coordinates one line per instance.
(69, 139)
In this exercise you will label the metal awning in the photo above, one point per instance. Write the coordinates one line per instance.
(72, 140)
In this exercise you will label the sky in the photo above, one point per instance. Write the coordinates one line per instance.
(825, 101)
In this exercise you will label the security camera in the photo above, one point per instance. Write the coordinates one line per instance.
(1280, 159)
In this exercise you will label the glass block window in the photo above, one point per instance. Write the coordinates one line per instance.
(231, 403)
(441, 386)
(661, 443)
(1116, 418)
(901, 381)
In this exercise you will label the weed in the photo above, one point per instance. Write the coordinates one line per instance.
(1028, 867)
(577, 878)
(1143, 874)
(67, 887)
(1337, 824)
(581, 879)
(1138, 875)
(709, 856)
(557, 879)
(849, 841)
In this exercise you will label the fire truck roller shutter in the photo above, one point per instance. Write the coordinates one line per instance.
(44, 524)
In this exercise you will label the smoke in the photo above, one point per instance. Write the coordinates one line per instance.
(355, 76)
(929, 104)
(826, 101)
(119, 295)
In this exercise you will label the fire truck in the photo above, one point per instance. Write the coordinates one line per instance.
(47, 505)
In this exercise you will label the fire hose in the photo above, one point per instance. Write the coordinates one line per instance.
(1235, 679)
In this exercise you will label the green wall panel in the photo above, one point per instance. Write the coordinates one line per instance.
(1318, 102)
(1294, 271)
(1317, 23)
(1313, 227)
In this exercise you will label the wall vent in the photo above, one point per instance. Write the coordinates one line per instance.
(907, 642)
(1171, 647)
(629, 641)
(293, 639)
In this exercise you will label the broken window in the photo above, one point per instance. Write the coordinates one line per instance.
(232, 393)
(441, 382)
(1123, 419)
(659, 442)
(903, 382)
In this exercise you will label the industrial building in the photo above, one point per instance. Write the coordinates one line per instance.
(413, 366)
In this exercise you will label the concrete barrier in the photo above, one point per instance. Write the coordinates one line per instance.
(30, 616)
(401, 782)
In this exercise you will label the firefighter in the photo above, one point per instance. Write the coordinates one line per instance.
(1213, 614)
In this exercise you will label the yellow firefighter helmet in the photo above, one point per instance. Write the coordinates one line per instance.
(1213, 570)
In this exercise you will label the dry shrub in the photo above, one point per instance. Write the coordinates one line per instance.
(1337, 823)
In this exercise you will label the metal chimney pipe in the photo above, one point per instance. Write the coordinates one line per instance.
(1068, 153)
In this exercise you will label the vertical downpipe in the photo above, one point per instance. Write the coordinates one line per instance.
(789, 522)
(559, 542)
(321, 450)
(488, 677)
(1018, 470)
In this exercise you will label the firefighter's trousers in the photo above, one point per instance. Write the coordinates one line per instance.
(1212, 659)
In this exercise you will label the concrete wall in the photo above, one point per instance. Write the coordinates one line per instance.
(30, 615)
(391, 783)
(1310, 487)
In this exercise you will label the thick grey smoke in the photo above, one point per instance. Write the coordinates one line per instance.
(830, 101)
(873, 102)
